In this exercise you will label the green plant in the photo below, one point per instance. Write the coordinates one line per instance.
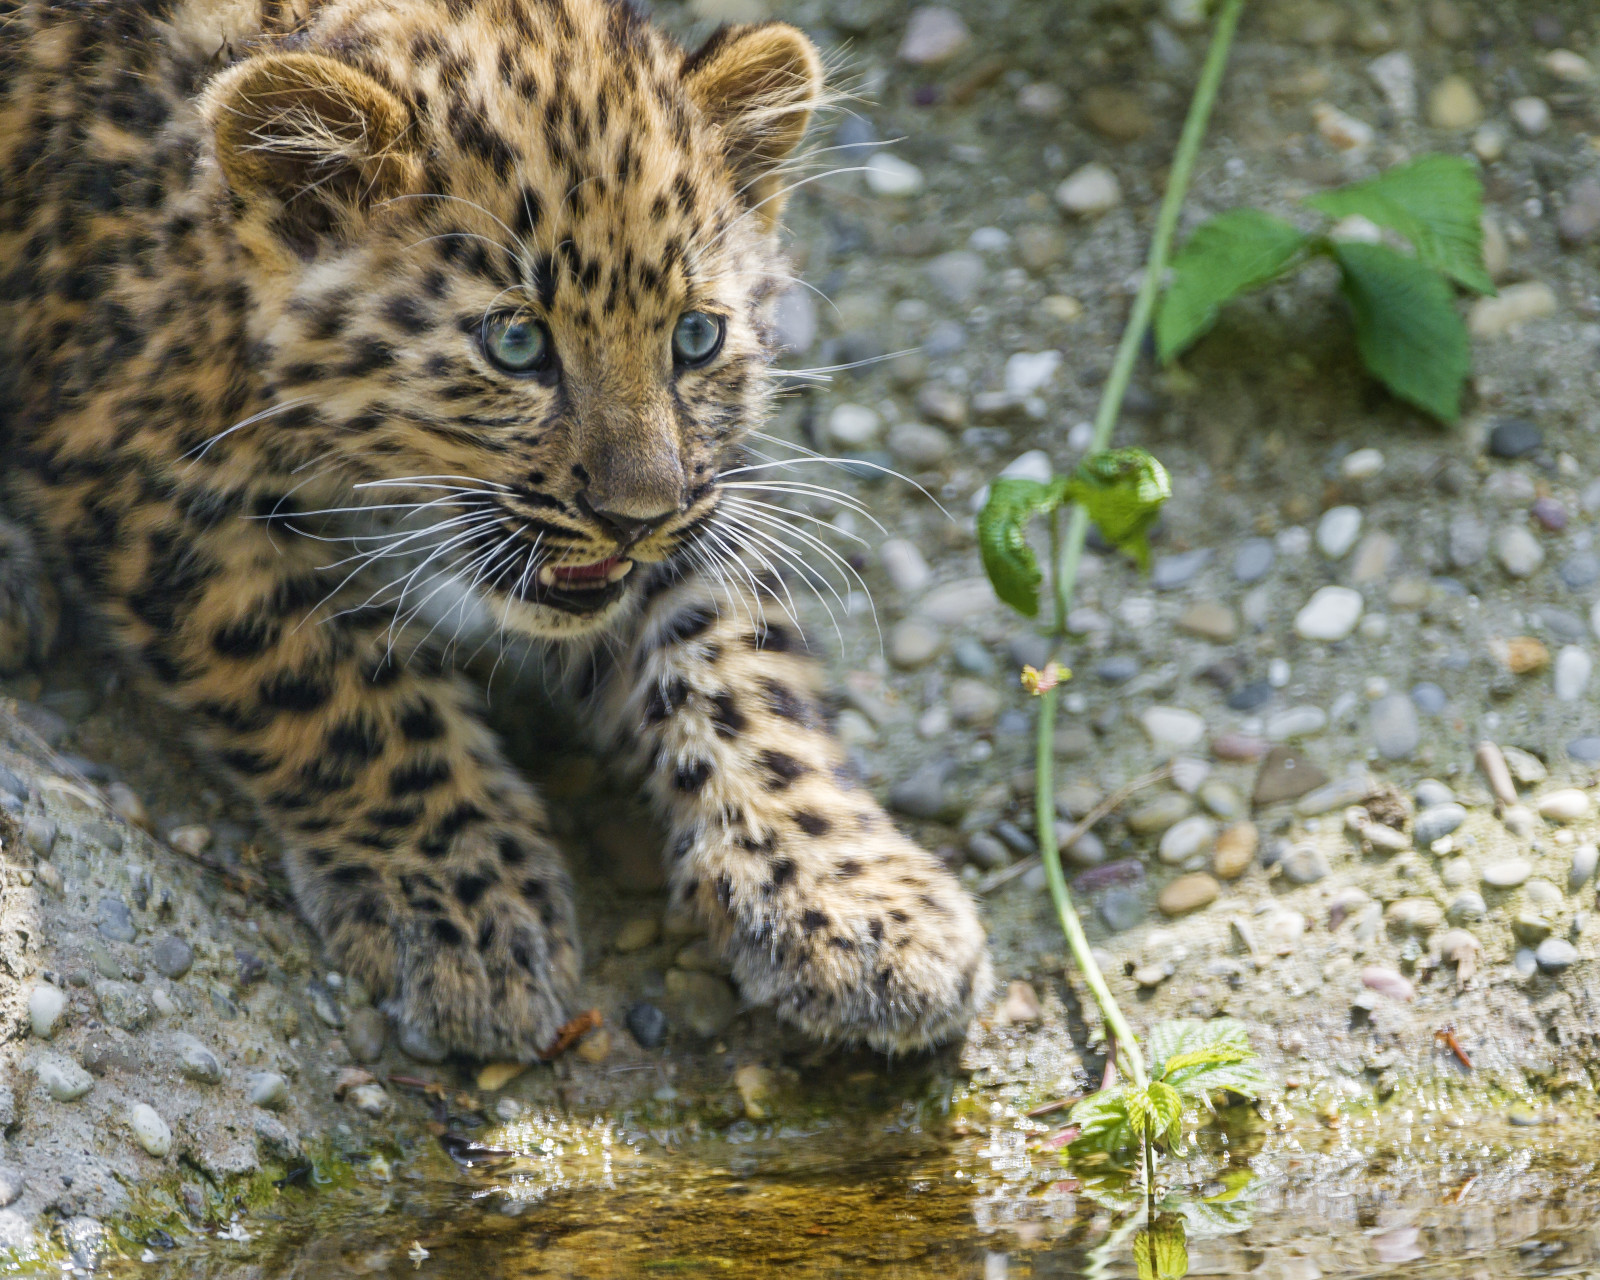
(1408, 331)
(1122, 491)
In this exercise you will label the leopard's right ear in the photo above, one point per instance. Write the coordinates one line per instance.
(322, 139)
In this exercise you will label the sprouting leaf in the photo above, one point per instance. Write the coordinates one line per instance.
(1225, 256)
(1189, 1035)
(1198, 1059)
(1122, 490)
(1435, 202)
(1407, 328)
(1103, 1124)
(1161, 1250)
(1165, 1108)
(1002, 539)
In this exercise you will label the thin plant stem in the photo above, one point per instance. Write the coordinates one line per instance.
(1065, 555)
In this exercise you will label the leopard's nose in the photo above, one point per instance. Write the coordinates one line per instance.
(627, 526)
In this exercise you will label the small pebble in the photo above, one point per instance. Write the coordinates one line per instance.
(46, 1003)
(150, 1131)
(1454, 105)
(1566, 65)
(1519, 820)
(1186, 839)
(40, 833)
(1532, 115)
(637, 934)
(116, 921)
(1387, 982)
(171, 956)
(1573, 668)
(1467, 906)
(12, 1185)
(1221, 799)
(1339, 130)
(63, 1079)
(1395, 730)
(905, 567)
(365, 1033)
(324, 1005)
(196, 1061)
(1584, 859)
(1090, 192)
(1253, 560)
(1188, 893)
(1514, 306)
(1330, 615)
(1436, 822)
(1304, 864)
(1507, 873)
(888, 175)
(1555, 955)
(267, 1089)
(1235, 850)
(1121, 909)
(372, 1100)
(1361, 464)
(1172, 729)
(1338, 530)
(1296, 722)
(933, 34)
(647, 1024)
(1566, 805)
(1430, 792)
(1158, 814)
(1021, 1005)
(702, 1002)
(1414, 915)
(914, 643)
(122, 1004)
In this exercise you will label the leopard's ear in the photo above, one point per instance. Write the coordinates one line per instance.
(759, 84)
(324, 140)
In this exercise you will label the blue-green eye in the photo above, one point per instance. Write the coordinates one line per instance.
(697, 337)
(515, 342)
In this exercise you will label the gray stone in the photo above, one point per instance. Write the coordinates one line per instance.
(925, 794)
(1555, 955)
(1585, 750)
(122, 1004)
(1304, 864)
(1518, 551)
(1121, 908)
(12, 785)
(196, 1061)
(1466, 906)
(1584, 859)
(416, 1043)
(1253, 559)
(1117, 669)
(1171, 572)
(1430, 792)
(1429, 697)
(1578, 222)
(1351, 789)
(1436, 822)
(267, 1089)
(914, 643)
(116, 921)
(171, 956)
(647, 1024)
(12, 1185)
(1579, 571)
(40, 833)
(62, 1078)
(1514, 438)
(918, 446)
(1469, 540)
(957, 275)
(905, 566)
(325, 1006)
(702, 1002)
(1395, 731)
(365, 1034)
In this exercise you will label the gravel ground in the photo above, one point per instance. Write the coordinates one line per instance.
(1346, 600)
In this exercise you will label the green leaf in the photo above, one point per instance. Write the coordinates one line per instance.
(1435, 202)
(1407, 328)
(1122, 490)
(1161, 1250)
(1198, 1059)
(1003, 542)
(1225, 256)
(1166, 1113)
(1104, 1124)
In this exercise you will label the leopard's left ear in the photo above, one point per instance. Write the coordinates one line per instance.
(759, 83)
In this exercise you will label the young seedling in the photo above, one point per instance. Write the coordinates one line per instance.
(1408, 331)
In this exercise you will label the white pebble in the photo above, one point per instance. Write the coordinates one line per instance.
(934, 34)
(1033, 465)
(1489, 143)
(1331, 614)
(1338, 530)
(1340, 131)
(63, 1079)
(1567, 805)
(1184, 839)
(854, 426)
(46, 1003)
(1507, 873)
(1030, 371)
(905, 566)
(1574, 666)
(1173, 729)
(1279, 673)
(1518, 551)
(1531, 114)
(1566, 65)
(1296, 722)
(1091, 191)
(1293, 541)
(1515, 305)
(150, 1131)
(889, 175)
(1396, 75)
(989, 240)
(1363, 464)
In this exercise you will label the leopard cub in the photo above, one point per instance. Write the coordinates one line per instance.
(342, 327)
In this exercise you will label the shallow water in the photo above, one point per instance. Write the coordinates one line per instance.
(947, 1184)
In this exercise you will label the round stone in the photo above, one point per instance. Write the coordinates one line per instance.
(973, 702)
(1518, 551)
(637, 934)
(1186, 839)
(1029, 372)
(647, 1024)
(1507, 873)
(1414, 915)
(957, 275)
(116, 921)
(1436, 822)
(1338, 530)
(1574, 666)
(854, 426)
(1466, 906)
(1531, 114)
(1430, 792)
(122, 1004)
(905, 567)
(46, 1003)
(889, 175)
(1121, 908)
(934, 34)
(1188, 893)
(1395, 730)
(1361, 464)
(1089, 192)
(1296, 722)
(366, 1033)
(196, 1061)
(1453, 104)
(918, 446)
(40, 833)
(1220, 799)
(267, 1089)
(1304, 864)
(12, 1185)
(1172, 729)
(1567, 805)
(1429, 697)
(150, 1131)
(1555, 955)
(1331, 614)
(914, 643)
(1386, 982)
(1235, 850)
(1253, 559)
(1584, 859)
(1159, 814)
(63, 1079)
(702, 1002)
(171, 956)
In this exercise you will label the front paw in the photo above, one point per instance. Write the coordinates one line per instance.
(853, 934)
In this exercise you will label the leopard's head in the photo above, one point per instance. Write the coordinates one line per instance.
(516, 258)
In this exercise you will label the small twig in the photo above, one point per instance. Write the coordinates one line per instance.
(1104, 809)
(1050, 1108)
(1109, 1076)
(1447, 1034)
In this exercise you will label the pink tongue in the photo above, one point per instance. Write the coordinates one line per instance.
(585, 572)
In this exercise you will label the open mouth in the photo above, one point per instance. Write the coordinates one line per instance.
(580, 588)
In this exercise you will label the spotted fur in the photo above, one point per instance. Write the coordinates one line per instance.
(246, 261)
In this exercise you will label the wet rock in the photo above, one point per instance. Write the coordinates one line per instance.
(1188, 893)
(1555, 955)
(1514, 438)
(702, 1002)
(757, 1087)
(1436, 822)
(324, 1005)
(647, 1024)
(416, 1043)
(1159, 813)
(1235, 850)
(1285, 775)
(1566, 805)
(122, 1004)
(1304, 864)
(1330, 615)
(171, 956)
(40, 834)
(46, 1004)
(150, 1131)
(62, 1078)
(1507, 873)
